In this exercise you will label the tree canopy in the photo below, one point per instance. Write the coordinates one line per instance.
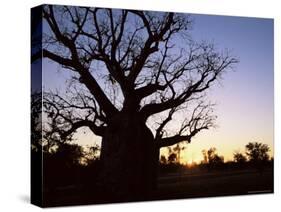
(257, 152)
(130, 62)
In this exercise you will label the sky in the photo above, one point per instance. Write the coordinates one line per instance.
(244, 97)
(245, 105)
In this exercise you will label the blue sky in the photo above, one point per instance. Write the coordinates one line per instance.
(245, 105)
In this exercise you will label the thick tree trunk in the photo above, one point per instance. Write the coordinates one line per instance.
(129, 159)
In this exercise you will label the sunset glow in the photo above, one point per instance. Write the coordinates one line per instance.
(244, 99)
(132, 105)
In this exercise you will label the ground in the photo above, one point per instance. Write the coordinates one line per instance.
(185, 184)
(215, 183)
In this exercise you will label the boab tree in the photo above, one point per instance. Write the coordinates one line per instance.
(130, 67)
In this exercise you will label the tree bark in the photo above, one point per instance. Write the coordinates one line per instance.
(129, 159)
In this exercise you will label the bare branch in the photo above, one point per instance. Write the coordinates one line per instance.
(206, 66)
(66, 116)
(144, 55)
(200, 119)
(160, 129)
(98, 130)
(74, 64)
(151, 44)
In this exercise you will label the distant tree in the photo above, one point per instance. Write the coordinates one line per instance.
(172, 158)
(257, 152)
(163, 159)
(211, 153)
(217, 160)
(212, 159)
(90, 154)
(71, 154)
(239, 158)
(205, 157)
(61, 165)
(175, 153)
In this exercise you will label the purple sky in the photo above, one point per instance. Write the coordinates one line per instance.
(245, 96)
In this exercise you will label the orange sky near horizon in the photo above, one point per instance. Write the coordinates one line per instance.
(225, 142)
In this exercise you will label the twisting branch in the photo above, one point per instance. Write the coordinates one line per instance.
(200, 119)
(151, 44)
(64, 116)
(160, 130)
(74, 62)
(204, 64)
(144, 55)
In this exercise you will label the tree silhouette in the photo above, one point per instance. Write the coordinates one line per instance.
(92, 154)
(36, 122)
(172, 158)
(61, 165)
(212, 159)
(239, 158)
(257, 154)
(130, 68)
(174, 154)
(163, 159)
